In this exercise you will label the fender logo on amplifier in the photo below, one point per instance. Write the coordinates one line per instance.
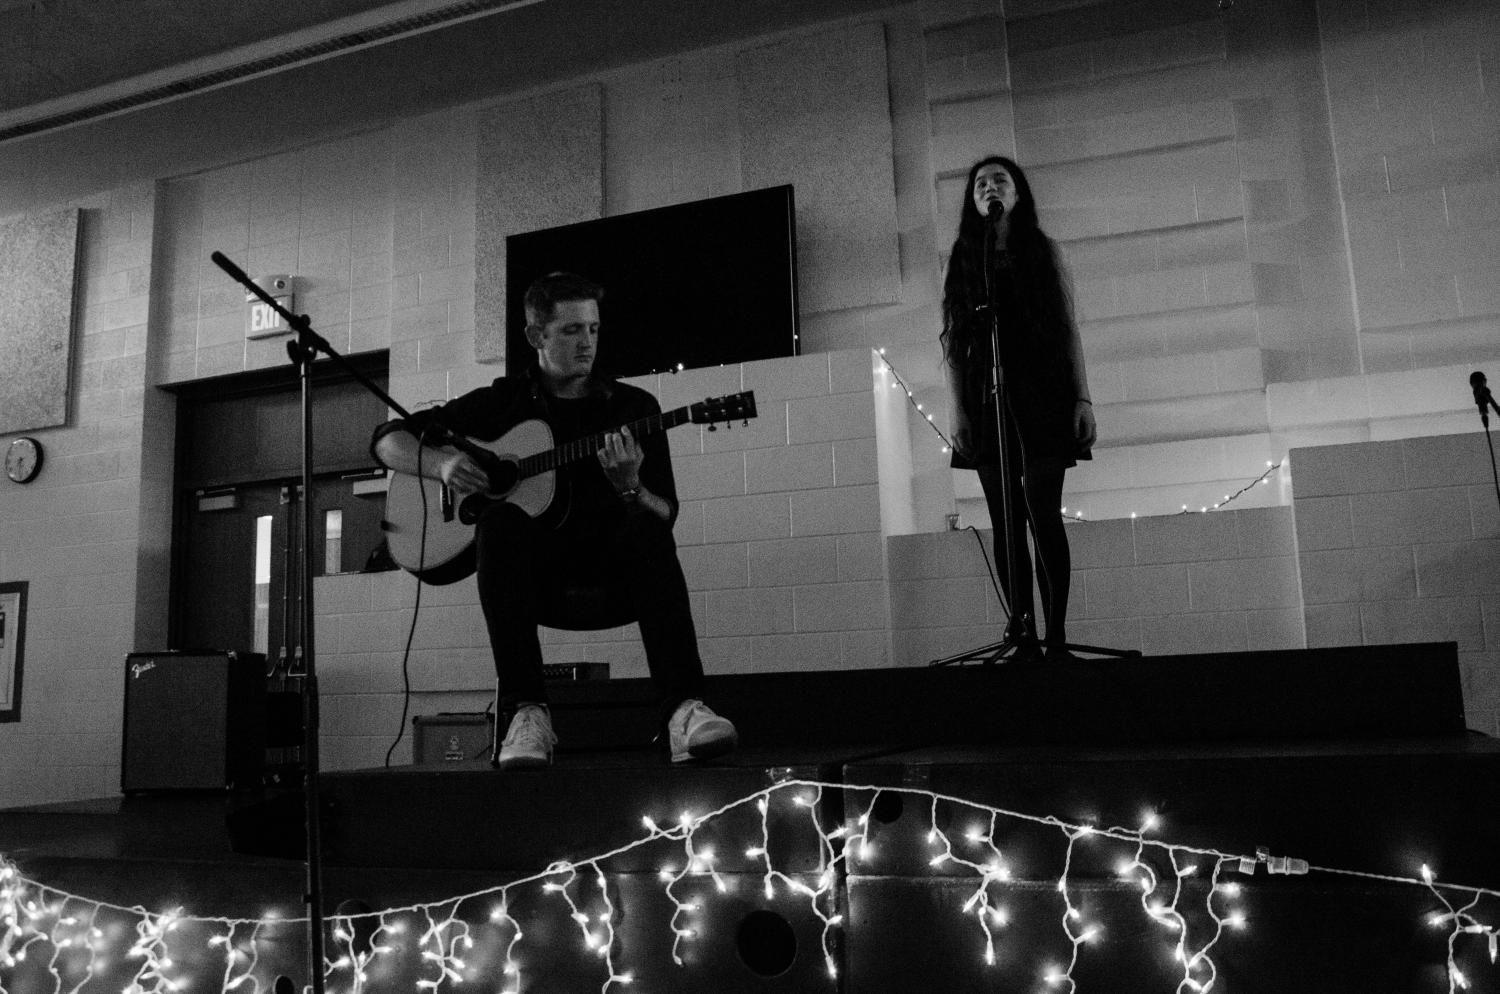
(136, 669)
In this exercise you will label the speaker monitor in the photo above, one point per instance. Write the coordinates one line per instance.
(193, 721)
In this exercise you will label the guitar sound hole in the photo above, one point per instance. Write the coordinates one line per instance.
(504, 474)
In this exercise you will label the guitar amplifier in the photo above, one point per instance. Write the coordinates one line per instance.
(452, 737)
(193, 721)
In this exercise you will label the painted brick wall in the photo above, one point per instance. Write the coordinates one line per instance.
(1221, 291)
(1219, 582)
(378, 229)
(1399, 541)
(76, 533)
(1259, 204)
(1416, 123)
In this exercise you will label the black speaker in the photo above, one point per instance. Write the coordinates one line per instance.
(193, 721)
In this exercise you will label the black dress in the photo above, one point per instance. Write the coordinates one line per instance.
(1034, 362)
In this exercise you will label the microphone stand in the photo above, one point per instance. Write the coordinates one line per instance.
(1020, 640)
(1486, 401)
(1483, 398)
(303, 350)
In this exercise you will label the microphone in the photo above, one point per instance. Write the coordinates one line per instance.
(1482, 395)
(996, 212)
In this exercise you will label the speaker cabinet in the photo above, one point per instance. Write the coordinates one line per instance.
(193, 721)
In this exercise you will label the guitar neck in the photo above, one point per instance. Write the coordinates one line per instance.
(579, 448)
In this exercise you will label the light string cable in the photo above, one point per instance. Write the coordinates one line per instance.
(37, 918)
(911, 398)
(1262, 479)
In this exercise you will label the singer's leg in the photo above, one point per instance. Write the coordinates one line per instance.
(1043, 488)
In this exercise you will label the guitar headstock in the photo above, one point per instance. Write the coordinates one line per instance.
(731, 407)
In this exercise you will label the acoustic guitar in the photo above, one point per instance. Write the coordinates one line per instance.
(428, 539)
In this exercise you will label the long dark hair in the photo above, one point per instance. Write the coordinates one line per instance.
(1043, 291)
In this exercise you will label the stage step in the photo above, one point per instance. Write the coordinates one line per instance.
(1381, 809)
(1388, 691)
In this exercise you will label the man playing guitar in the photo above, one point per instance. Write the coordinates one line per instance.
(610, 523)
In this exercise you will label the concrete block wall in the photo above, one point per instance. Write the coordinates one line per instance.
(1218, 323)
(779, 535)
(1221, 184)
(1399, 541)
(1219, 582)
(1416, 124)
(76, 534)
(378, 230)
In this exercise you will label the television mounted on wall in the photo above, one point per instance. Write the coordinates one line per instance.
(705, 283)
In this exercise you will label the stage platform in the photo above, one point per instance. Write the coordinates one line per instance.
(925, 829)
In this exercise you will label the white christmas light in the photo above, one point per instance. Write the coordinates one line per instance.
(40, 920)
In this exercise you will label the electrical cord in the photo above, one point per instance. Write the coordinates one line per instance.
(1489, 440)
(416, 608)
(994, 580)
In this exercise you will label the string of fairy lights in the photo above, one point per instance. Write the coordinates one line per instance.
(461, 940)
(900, 383)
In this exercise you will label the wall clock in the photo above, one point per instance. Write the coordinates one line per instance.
(23, 460)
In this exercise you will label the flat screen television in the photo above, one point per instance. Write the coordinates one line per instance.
(699, 284)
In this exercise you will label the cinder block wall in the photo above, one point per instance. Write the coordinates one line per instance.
(378, 231)
(1219, 582)
(1306, 183)
(1399, 541)
(1261, 204)
(88, 534)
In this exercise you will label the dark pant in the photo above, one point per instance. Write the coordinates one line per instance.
(1036, 503)
(526, 568)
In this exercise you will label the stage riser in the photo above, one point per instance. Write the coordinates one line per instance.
(901, 933)
(1377, 813)
(524, 820)
(727, 953)
(1377, 691)
(911, 935)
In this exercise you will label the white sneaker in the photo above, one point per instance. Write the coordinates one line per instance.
(530, 739)
(695, 732)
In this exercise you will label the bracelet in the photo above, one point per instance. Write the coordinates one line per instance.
(631, 495)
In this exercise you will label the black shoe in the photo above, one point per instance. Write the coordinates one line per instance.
(1023, 650)
(1058, 654)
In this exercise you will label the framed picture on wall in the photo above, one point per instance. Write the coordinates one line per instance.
(12, 644)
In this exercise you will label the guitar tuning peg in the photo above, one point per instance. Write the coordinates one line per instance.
(745, 423)
(713, 427)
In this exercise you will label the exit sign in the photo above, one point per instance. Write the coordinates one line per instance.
(263, 320)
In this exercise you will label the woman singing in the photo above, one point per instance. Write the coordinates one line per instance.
(1003, 268)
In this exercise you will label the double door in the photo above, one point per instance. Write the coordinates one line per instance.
(237, 549)
(241, 553)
